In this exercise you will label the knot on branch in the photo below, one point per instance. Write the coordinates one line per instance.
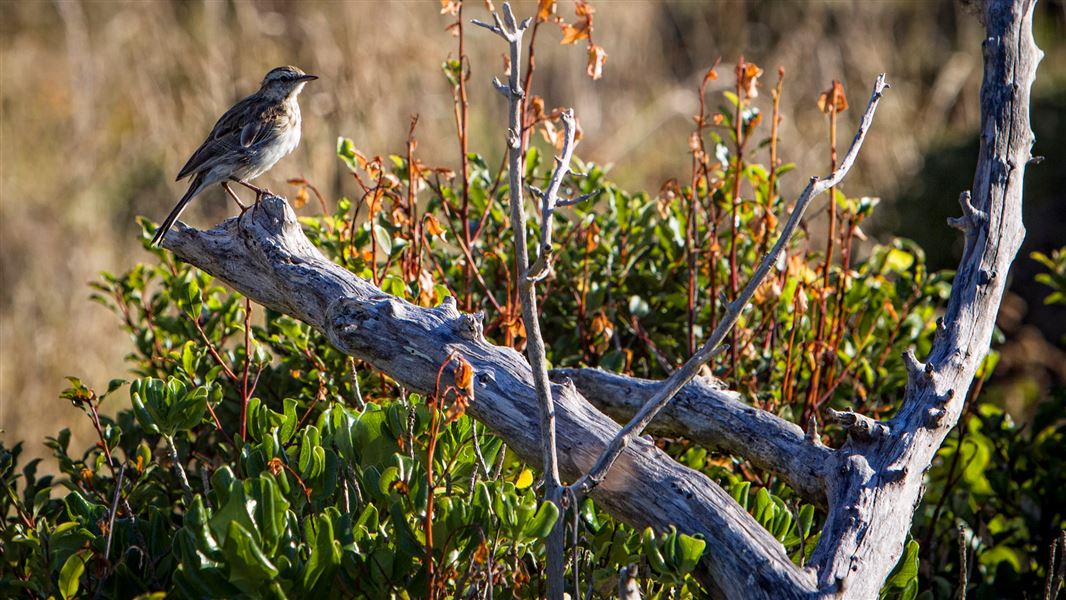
(812, 432)
(918, 373)
(449, 308)
(941, 328)
(859, 426)
(934, 417)
(345, 317)
(972, 218)
(470, 326)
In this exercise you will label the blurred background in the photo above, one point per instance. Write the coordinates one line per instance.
(102, 102)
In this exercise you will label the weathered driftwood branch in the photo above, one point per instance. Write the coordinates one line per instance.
(669, 387)
(717, 419)
(265, 255)
(879, 482)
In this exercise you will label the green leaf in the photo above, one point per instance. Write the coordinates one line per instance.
(652, 552)
(806, 518)
(638, 306)
(898, 260)
(70, 574)
(235, 510)
(189, 358)
(541, 524)
(762, 503)
(270, 511)
(249, 568)
(383, 238)
(346, 152)
(588, 516)
(904, 578)
(189, 297)
(740, 493)
(325, 555)
(687, 552)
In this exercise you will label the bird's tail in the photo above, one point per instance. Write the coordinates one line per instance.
(194, 188)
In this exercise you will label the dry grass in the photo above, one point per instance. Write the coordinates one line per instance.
(103, 101)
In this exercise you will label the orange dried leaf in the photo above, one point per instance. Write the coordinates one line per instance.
(481, 554)
(712, 75)
(833, 99)
(433, 225)
(583, 8)
(601, 324)
(545, 9)
(275, 466)
(444, 172)
(597, 58)
(575, 32)
(801, 301)
(464, 375)
(592, 237)
(551, 135)
(536, 107)
(749, 79)
(450, 7)
(398, 216)
(516, 327)
(454, 412)
(301, 198)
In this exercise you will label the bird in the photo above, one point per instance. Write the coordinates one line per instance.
(246, 142)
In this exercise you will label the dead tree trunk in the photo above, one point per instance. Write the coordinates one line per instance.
(870, 486)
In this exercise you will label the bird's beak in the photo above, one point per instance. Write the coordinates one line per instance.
(309, 78)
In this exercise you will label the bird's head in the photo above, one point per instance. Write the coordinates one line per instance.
(285, 81)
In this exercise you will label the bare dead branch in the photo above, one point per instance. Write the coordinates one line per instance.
(691, 367)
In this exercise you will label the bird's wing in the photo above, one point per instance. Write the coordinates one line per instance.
(227, 135)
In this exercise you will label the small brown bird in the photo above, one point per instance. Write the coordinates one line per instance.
(246, 142)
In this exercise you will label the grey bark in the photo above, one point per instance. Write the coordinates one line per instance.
(715, 418)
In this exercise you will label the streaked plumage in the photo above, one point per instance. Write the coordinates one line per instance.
(246, 141)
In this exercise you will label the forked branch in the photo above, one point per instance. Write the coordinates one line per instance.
(712, 346)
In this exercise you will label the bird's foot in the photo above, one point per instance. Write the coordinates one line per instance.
(259, 192)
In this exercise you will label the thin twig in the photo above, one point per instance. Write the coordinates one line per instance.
(183, 479)
(114, 509)
(691, 368)
(549, 198)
